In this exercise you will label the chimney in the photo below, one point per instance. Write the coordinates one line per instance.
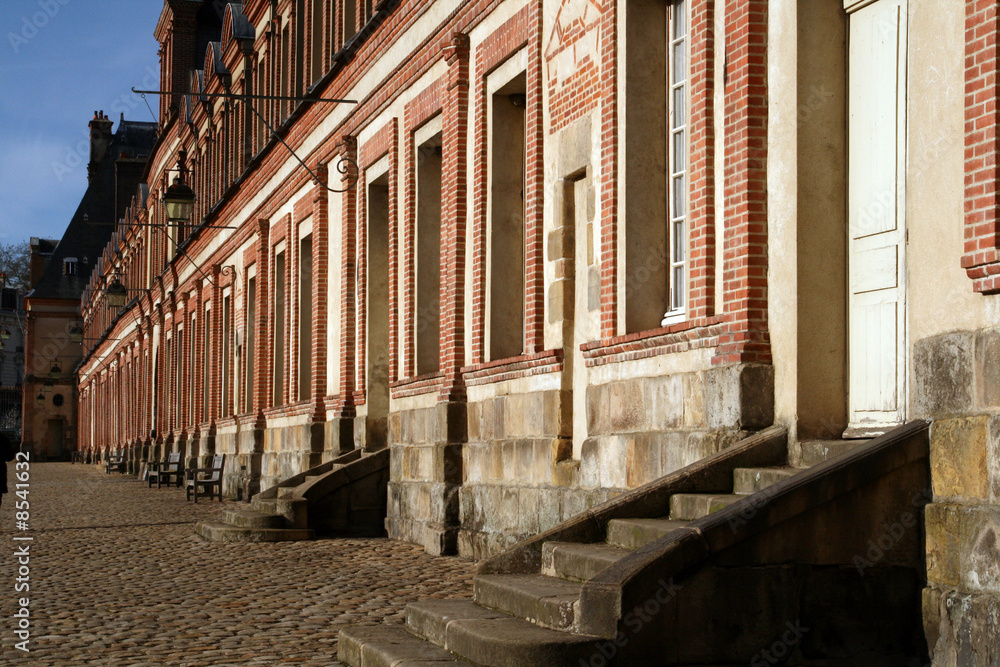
(100, 139)
(177, 33)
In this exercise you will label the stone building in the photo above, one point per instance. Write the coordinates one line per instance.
(553, 250)
(60, 270)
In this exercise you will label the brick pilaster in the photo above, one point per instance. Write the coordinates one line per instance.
(159, 419)
(320, 291)
(493, 51)
(214, 362)
(183, 367)
(454, 191)
(262, 355)
(745, 260)
(701, 152)
(534, 188)
(348, 266)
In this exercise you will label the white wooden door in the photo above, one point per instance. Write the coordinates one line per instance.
(877, 216)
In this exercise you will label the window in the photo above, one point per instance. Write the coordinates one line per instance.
(8, 300)
(677, 158)
(377, 312)
(316, 41)
(262, 109)
(506, 220)
(248, 347)
(350, 19)
(277, 391)
(305, 318)
(227, 356)
(656, 146)
(178, 389)
(192, 373)
(205, 376)
(168, 386)
(284, 80)
(70, 266)
(428, 255)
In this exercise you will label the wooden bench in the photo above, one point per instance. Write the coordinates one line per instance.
(212, 478)
(115, 462)
(164, 471)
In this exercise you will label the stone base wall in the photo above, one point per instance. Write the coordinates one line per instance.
(201, 452)
(515, 475)
(425, 469)
(957, 383)
(242, 446)
(289, 450)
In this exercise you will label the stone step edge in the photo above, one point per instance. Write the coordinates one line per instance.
(248, 518)
(516, 595)
(618, 529)
(579, 562)
(388, 645)
(487, 637)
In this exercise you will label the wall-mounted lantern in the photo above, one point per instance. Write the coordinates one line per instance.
(178, 200)
(116, 294)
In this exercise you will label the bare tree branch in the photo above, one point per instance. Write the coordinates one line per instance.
(15, 263)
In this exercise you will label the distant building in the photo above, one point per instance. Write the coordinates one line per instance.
(59, 273)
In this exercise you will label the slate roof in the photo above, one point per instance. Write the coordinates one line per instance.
(131, 141)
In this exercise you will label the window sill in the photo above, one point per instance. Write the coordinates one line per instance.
(680, 337)
(549, 361)
(421, 384)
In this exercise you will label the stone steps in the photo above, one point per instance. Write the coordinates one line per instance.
(296, 491)
(520, 620)
(814, 452)
(388, 646)
(578, 562)
(460, 632)
(252, 519)
(545, 601)
(281, 513)
(693, 506)
(635, 533)
(752, 480)
(216, 531)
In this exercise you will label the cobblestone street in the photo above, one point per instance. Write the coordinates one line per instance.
(118, 577)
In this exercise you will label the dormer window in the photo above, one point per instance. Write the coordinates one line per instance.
(70, 266)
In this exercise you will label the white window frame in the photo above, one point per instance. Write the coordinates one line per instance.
(678, 156)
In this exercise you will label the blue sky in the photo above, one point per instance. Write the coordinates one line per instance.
(60, 60)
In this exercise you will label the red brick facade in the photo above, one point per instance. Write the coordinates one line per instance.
(253, 196)
(982, 201)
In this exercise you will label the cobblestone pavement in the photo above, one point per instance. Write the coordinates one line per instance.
(118, 577)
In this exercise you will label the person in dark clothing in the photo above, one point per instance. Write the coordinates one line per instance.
(8, 450)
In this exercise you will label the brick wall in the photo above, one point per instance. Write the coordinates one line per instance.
(982, 230)
(735, 329)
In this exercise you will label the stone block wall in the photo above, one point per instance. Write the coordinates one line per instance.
(956, 379)
(519, 477)
(288, 450)
(425, 468)
(242, 444)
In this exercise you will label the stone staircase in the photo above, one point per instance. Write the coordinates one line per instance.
(709, 565)
(345, 496)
